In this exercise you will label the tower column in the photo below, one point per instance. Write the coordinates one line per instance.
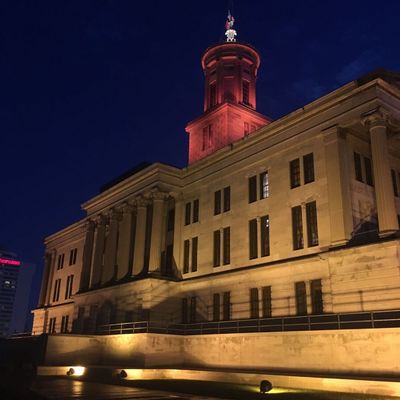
(87, 256)
(110, 255)
(385, 202)
(177, 230)
(140, 236)
(125, 241)
(97, 262)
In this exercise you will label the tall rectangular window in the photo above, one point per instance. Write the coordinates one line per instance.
(194, 253)
(213, 94)
(254, 303)
(217, 249)
(252, 189)
(184, 310)
(227, 246)
(394, 182)
(297, 228)
(186, 251)
(226, 309)
(316, 297)
(60, 261)
(294, 173)
(312, 226)
(368, 171)
(56, 292)
(253, 248)
(68, 288)
(357, 167)
(193, 309)
(227, 198)
(266, 302)
(217, 202)
(64, 323)
(216, 307)
(265, 236)
(301, 298)
(196, 210)
(264, 185)
(52, 325)
(308, 165)
(188, 208)
(246, 92)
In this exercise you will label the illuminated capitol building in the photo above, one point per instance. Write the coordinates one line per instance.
(276, 248)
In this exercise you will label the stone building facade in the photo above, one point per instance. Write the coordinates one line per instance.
(270, 219)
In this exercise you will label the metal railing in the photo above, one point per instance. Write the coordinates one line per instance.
(359, 320)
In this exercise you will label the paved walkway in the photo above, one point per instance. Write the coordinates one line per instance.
(69, 389)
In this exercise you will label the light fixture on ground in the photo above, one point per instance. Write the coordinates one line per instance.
(76, 371)
(265, 386)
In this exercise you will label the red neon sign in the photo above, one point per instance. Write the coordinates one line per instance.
(10, 262)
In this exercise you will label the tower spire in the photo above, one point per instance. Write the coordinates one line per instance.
(230, 33)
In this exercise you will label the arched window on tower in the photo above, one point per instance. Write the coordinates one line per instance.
(246, 91)
(213, 94)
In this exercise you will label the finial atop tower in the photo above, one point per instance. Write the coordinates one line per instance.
(230, 32)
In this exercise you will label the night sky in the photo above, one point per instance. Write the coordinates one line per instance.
(91, 88)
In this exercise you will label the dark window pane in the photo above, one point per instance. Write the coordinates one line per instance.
(312, 226)
(226, 312)
(193, 309)
(194, 254)
(217, 249)
(266, 301)
(246, 89)
(295, 173)
(253, 249)
(188, 209)
(368, 171)
(308, 165)
(217, 202)
(316, 297)
(186, 250)
(213, 94)
(394, 181)
(171, 220)
(216, 307)
(357, 167)
(227, 198)
(297, 228)
(264, 185)
(196, 210)
(301, 298)
(254, 303)
(265, 236)
(168, 259)
(252, 189)
(184, 311)
(227, 246)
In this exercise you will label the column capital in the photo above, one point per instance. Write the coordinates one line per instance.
(141, 202)
(90, 225)
(127, 208)
(158, 195)
(379, 117)
(177, 196)
(115, 215)
(101, 219)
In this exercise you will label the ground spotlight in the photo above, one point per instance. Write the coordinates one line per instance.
(122, 374)
(76, 371)
(265, 386)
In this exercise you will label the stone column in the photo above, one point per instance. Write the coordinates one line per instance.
(51, 274)
(125, 241)
(385, 202)
(87, 256)
(140, 236)
(110, 254)
(337, 173)
(45, 279)
(176, 262)
(157, 230)
(97, 262)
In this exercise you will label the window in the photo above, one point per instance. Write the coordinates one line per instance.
(207, 137)
(169, 259)
(184, 311)
(64, 324)
(265, 236)
(68, 288)
(189, 310)
(357, 167)
(60, 261)
(266, 302)
(171, 220)
(72, 256)
(227, 198)
(226, 309)
(216, 307)
(246, 92)
(312, 228)
(52, 325)
(188, 209)
(316, 297)
(56, 292)
(253, 248)
(252, 189)
(264, 185)
(192, 310)
(217, 202)
(301, 298)
(294, 173)
(195, 211)
(254, 303)
(186, 250)
(227, 245)
(194, 253)
(217, 249)
(297, 228)
(368, 171)
(308, 165)
(213, 94)
(394, 182)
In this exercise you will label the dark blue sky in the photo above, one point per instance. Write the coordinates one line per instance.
(91, 88)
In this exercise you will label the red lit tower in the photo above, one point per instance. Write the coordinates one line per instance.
(230, 71)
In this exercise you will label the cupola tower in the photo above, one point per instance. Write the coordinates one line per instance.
(230, 70)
